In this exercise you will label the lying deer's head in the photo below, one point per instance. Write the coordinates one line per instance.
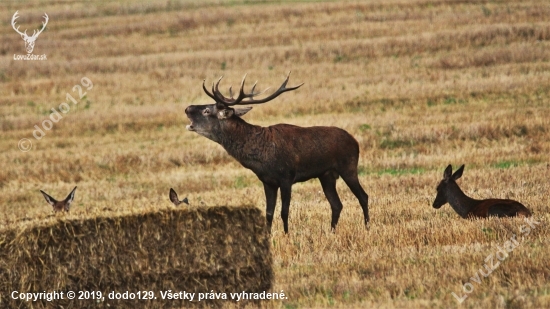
(29, 40)
(207, 120)
(447, 186)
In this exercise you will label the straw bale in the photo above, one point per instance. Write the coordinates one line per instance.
(224, 249)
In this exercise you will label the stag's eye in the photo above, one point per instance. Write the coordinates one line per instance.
(206, 111)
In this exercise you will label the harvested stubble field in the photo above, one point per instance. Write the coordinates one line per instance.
(420, 84)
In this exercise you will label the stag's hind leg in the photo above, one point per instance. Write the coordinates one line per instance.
(328, 182)
(351, 179)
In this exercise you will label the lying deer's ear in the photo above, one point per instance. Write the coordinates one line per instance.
(241, 111)
(448, 172)
(458, 173)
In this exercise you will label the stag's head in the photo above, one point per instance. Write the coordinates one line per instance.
(29, 40)
(208, 120)
(447, 185)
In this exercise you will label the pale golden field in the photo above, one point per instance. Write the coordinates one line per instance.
(420, 84)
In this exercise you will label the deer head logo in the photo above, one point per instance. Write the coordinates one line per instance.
(29, 40)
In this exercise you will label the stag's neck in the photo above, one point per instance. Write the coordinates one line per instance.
(242, 140)
(460, 202)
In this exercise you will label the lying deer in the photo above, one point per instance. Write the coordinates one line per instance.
(174, 198)
(467, 207)
(60, 205)
(282, 154)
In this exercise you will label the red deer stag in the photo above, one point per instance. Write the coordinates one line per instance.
(282, 154)
(467, 207)
(60, 205)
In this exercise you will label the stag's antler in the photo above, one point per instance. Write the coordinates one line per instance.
(220, 98)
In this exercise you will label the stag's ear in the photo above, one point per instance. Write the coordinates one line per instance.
(228, 112)
(241, 111)
(458, 172)
(225, 113)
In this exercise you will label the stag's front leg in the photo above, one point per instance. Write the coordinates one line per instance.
(286, 190)
(270, 201)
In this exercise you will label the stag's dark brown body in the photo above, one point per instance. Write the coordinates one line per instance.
(282, 154)
(448, 191)
(285, 153)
